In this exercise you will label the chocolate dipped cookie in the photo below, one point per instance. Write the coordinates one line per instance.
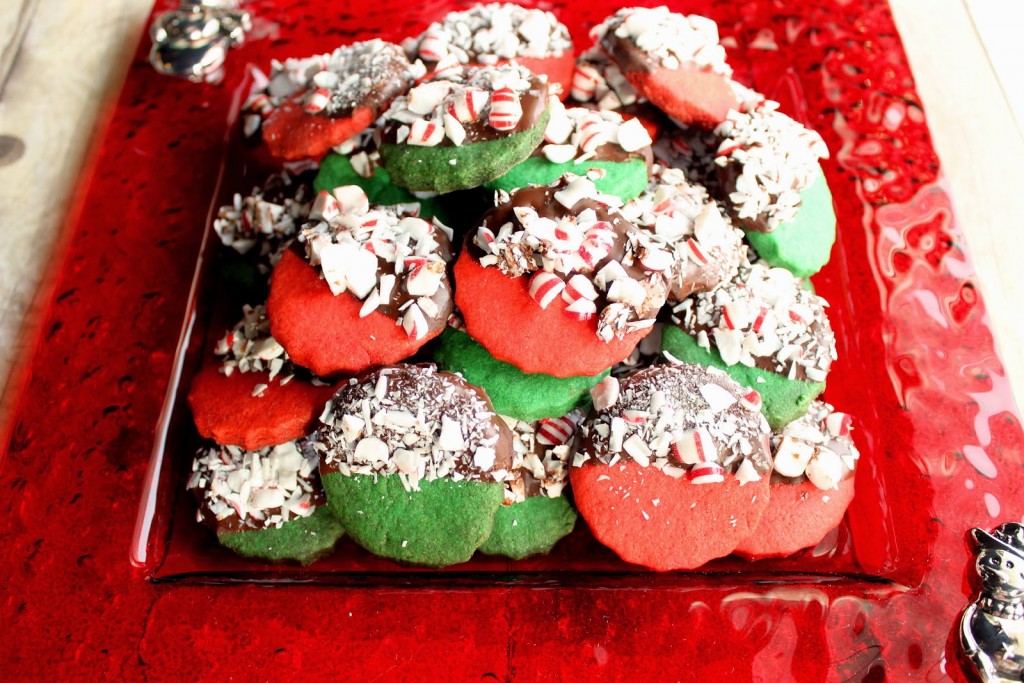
(812, 483)
(413, 461)
(549, 283)
(463, 128)
(765, 330)
(672, 468)
(365, 285)
(266, 504)
(536, 513)
(255, 396)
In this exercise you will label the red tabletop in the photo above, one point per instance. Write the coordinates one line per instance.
(941, 440)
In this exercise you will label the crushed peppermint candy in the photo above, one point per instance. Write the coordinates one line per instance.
(542, 454)
(488, 34)
(466, 105)
(765, 160)
(816, 447)
(763, 318)
(666, 39)
(599, 81)
(682, 419)
(568, 238)
(684, 233)
(267, 218)
(249, 347)
(690, 149)
(362, 75)
(417, 422)
(385, 256)
(577, 134)
(256, 489)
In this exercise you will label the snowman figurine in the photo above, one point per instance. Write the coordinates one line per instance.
(193, 41)
(992, 628)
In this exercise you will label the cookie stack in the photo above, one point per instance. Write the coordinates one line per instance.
(466, 305)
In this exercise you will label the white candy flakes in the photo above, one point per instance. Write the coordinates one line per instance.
(763, 314)
(423, 425)
(266, 218)
(249, 347)
(775, 159)
(337, 82)
(681, 226)
(568, 255)
(817, 446)
(355, 245)
(443, 110)
(668, 39)
(486, 34)
(264, 488)
(542, 453)
(679, 418)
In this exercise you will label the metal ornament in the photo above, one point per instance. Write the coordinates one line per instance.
(992, 627)
(193, 41)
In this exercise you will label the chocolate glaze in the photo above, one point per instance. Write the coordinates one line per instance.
(681, 384)
(442, 298)
(408, 381)
(542, 199)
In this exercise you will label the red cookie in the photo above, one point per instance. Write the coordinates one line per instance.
(549, 281)
(370, 289)
(292, 133)
(798, 516)
(324, 332)
(307, 106)
(812, 485)
(225, 409)
(500, 314)
(680, 68)
(688, 525)
(672, 470)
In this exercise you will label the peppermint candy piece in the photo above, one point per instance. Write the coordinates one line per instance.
(706, 473)
(506, 110)
(555, 431)
(545, 287)
(694, 446)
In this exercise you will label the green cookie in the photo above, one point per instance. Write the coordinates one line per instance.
(446, 169)
(802, 245)
(532, 527)
(528, 397)
(303, 539)
(336, 170)
(782, 399)
(623, 179)
(441, 524)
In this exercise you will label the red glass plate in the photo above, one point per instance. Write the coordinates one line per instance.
(941, 441)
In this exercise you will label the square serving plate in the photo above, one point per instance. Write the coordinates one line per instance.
(940, 439)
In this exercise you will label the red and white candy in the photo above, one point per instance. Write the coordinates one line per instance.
(694, 446)
(325, 207)
(425, 133)
(433, 47)
(605, 393)
(579, 287)
(792, 456)
(838, 424)
(467, 105)
(545, 287)
(555, 431)
(506, 110)
(414, 322)
(317, 101)
(696, 254)
(585, 80)
(706, 473)
(751, 401)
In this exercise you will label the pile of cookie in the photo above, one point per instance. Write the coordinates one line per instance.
(520, 287)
